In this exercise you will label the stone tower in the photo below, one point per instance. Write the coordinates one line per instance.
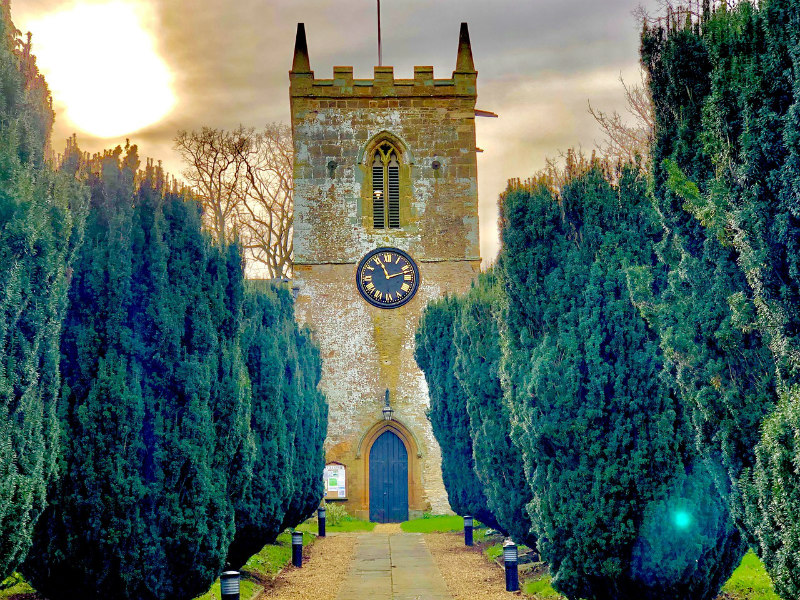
(381, 163)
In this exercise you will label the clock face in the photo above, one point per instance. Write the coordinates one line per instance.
(387, 277)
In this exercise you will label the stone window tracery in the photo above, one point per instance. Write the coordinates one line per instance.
(386, 187)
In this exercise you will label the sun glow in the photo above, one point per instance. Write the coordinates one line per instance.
(101, 63)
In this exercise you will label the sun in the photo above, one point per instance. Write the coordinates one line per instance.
(101, 63)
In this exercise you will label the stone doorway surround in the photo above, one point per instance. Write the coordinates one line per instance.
(416, 501)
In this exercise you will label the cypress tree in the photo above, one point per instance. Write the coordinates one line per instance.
(269, 331)
(435, 353)
(747, 97)
(498, 462)
(718, 361)
(622, 505)
(42, 216)
(307, 423)
(152, 400)
(315, 422)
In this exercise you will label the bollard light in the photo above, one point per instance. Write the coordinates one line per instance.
(510, 561)
(297, 549)
(229, 585)
(468, 523)
(321, 521)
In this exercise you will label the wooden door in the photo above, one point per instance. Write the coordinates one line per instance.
(388, 480)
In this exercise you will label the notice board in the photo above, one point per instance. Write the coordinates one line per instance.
(335, 481)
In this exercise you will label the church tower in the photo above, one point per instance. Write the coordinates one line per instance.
(386, 220)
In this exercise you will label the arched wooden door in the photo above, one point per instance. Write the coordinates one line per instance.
(388, 480)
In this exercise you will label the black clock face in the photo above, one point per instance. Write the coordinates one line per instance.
(387, 277)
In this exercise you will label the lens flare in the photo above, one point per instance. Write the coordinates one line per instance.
(682, 519)
(101, 63)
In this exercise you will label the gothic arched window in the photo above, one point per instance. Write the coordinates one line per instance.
(386, 187)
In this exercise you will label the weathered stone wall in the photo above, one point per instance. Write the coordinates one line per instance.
(367, 350)
(433, 119)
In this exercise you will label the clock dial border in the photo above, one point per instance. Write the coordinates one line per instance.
(366, 296)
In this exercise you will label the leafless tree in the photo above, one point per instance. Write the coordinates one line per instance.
(215, 172)
(244, 181)
(628, 140)
(268, 199)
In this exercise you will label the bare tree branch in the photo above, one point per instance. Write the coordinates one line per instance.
(624, 141)
(244, 180)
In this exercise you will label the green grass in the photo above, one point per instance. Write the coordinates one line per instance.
(540, 588)
(494, 551)
(310, 526)
(247, 590)
(750, 581)
(434, 523)
(266, 564)
(13, 585)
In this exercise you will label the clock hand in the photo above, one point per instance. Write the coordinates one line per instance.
(394, 275)
(385, 272)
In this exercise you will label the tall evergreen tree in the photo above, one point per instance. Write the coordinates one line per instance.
(153, 401)
(435, 353)
(285, 486)
(703, 308)
(41, 220)
(748, 97)
(498, 462)
(622, 506)
(307, 424)
(260, 510)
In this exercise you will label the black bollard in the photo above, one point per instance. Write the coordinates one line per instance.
(321, 520)
(297, 549)
(229, 585)
(467, 530)
(510, 559)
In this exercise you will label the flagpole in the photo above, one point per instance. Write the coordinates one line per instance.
(380, 58)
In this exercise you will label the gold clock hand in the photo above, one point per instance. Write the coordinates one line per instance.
(385, 272)
(394, 275)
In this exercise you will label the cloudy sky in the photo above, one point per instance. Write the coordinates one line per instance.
(143, 69)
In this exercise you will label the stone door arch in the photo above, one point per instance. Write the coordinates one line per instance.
(416, 504)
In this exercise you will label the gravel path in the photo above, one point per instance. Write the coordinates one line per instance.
(325, 566)
(469, 576)
(387, 528)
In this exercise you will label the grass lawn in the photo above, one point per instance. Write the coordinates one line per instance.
(540, 588)
(17, 585)
(264, 565)
(348, 524)
(750, 581)
(434, 523)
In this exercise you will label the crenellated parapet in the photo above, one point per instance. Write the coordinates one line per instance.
(383, 84)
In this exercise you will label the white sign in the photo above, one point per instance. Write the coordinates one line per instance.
(335, 481)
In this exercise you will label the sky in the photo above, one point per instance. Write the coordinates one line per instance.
(144, 69)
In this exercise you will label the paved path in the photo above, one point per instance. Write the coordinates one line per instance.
(393, 567)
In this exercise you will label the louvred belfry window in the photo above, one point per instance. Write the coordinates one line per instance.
(386, 188)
